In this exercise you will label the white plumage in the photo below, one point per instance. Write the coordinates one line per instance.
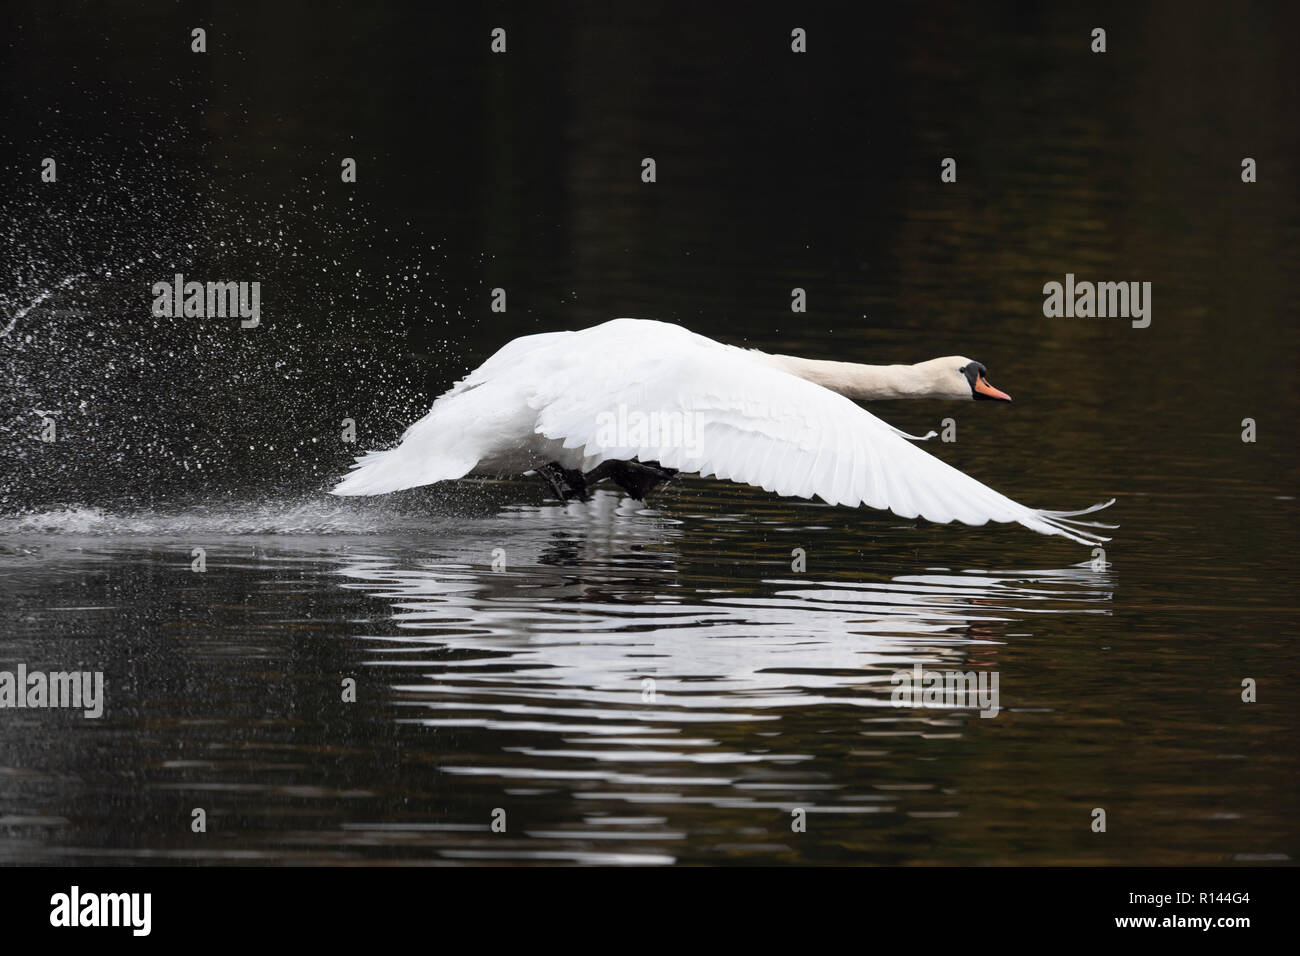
(576, 398)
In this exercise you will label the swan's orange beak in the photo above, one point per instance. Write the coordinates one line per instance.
(983, 388)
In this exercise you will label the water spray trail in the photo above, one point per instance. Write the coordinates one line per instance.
(21, 313)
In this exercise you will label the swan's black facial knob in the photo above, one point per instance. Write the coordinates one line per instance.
(980, 388)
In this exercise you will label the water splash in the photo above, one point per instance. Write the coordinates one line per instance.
(287, 516)
(22, 313)
(152, 408)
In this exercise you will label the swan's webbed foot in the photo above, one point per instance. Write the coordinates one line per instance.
(636, 478)
(568, 483)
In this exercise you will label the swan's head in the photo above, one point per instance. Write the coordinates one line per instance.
(968, 379)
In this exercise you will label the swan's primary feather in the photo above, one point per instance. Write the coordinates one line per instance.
(557, 397)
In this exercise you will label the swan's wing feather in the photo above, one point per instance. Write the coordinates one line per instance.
(484, 411)
(695, 405)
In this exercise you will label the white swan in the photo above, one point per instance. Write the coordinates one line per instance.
(636, 401)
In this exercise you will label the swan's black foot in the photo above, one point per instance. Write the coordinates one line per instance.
(637, 478)
(568, 483)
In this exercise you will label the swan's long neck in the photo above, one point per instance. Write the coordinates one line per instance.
(862, 383)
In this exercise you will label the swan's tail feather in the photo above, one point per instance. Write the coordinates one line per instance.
(1065, 523)
(379, 472)
(368, 475)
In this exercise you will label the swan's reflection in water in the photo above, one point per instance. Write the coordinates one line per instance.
(632, 684)
(612, 664)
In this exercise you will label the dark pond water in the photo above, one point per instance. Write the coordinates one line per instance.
(650, 683)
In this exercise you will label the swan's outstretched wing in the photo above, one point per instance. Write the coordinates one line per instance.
(633, 388)
(657, 392)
